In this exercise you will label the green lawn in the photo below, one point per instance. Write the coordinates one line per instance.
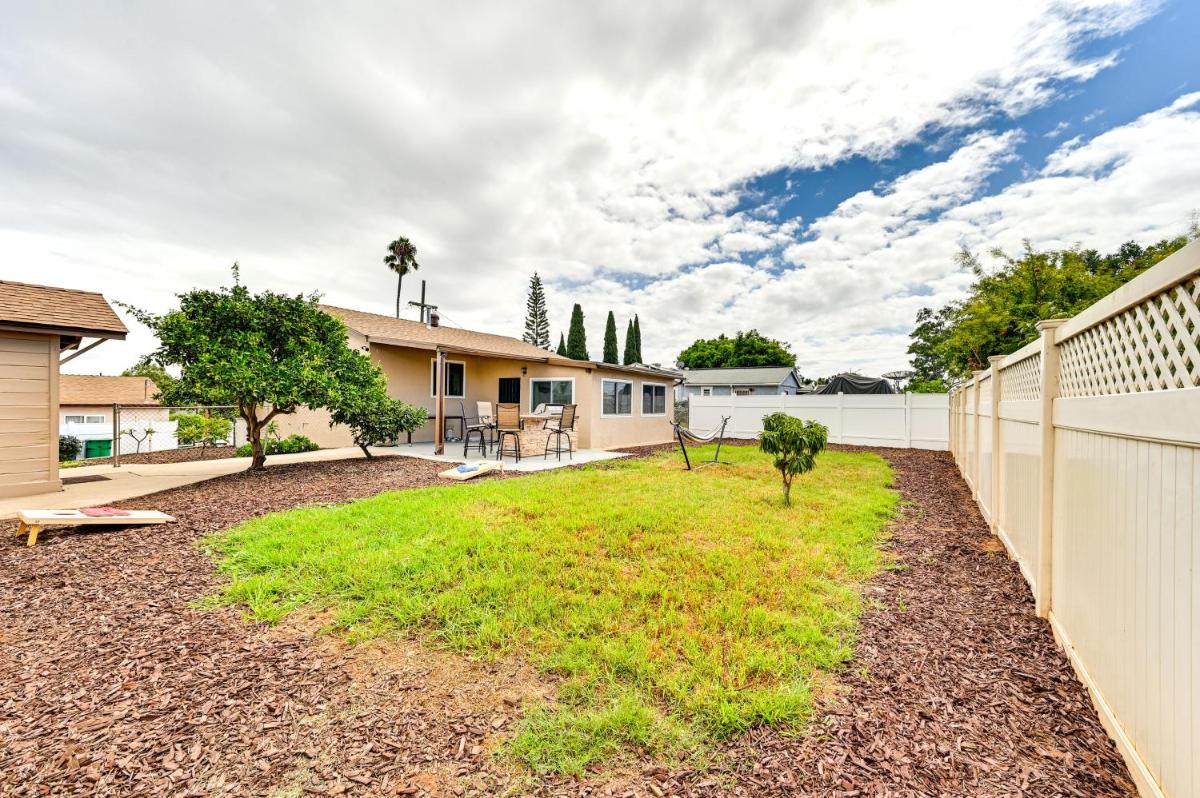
(677, 607)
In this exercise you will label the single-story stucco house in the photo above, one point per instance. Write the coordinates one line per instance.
(616, 405)
(40, 328)
(748, 381)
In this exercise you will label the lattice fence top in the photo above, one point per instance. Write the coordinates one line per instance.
(1152, 346)
(1022, 380)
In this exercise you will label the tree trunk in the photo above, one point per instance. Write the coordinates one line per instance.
(787, 492)
(258, 458)
(399, 282)
(366, 451)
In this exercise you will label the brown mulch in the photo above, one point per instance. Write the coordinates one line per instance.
(112, 682)
(186, 455)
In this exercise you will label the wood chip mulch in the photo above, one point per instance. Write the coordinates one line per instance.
(112, 681)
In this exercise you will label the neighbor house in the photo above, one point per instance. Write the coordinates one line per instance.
(86, 411)
(40, 328)
(748, 381)
(616, 405)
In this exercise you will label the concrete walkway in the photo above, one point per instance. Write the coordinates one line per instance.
(130, 481)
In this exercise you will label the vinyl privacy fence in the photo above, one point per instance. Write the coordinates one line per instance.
(1083, 452)
(917, 421)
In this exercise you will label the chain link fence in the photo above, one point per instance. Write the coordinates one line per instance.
(153, 434)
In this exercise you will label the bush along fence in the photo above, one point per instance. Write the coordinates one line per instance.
(1082, 450)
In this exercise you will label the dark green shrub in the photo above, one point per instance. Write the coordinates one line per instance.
(69, 448)
(292, 444)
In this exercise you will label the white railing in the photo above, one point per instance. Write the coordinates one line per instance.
(917, 421)
(1083, 452)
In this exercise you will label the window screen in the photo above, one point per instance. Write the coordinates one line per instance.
(617, 398)
(654, 400)
(551, 392)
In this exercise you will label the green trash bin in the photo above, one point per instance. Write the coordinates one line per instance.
(97, 449)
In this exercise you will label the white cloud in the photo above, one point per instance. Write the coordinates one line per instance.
(592, 142)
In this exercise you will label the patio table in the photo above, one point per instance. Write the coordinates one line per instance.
(542, 417)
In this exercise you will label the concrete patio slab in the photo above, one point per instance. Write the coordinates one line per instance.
(527, 464)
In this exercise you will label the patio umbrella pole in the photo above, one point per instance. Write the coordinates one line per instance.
(439, 412)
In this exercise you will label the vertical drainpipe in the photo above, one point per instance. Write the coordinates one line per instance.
(439, 412)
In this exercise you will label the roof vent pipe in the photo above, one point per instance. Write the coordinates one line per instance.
(434, 318)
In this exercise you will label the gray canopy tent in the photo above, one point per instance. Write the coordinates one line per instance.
(856, 383)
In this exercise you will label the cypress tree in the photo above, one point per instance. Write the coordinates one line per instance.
(562, 345)
(576, 336)
(537, 324)
(629, 353)
(610, 340)
(637, 340)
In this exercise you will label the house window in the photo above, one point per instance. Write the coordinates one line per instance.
(741, 391)
(654, 399)
(95, 419)
(551, 392)
(74, 419)
(616, 398)
(456, 379)
(706, 391)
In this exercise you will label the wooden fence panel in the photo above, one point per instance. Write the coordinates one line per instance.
(1097, 497)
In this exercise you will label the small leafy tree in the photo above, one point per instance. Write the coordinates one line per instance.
(610, 339)
(264, 354)
(375, 418)
(795, 445)
(198, 429)
(577, 336)
(139, 436)
(537, 321)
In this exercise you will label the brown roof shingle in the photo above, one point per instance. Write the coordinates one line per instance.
(60, 310)
(403, 332)
(89, 389)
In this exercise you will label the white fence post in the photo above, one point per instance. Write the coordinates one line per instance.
(841, 417)
(975, 465)
(1048, 392)
(908, 421)
(994, 510)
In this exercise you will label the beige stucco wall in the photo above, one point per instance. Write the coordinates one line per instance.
(28, 417)
(613, 432)
(409, 377)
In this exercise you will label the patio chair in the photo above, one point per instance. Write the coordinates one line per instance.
(482, 422)
(561, 427)
(508, 428)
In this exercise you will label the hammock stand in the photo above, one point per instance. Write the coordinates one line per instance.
(684, 434)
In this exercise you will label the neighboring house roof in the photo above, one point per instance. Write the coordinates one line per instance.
(403, 332)
(757, 375)
(88, 389)
(41, 308)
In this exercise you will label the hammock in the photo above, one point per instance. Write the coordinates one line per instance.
(683, 434)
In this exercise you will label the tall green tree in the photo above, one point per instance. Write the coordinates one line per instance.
(610, 339)
(630, 355)
(537, 321)
(562, 345)
(577, 336)
(266, 354)
(401, 258)
(743, 350)
(637, 340)
(167, 384)
(1005, 303)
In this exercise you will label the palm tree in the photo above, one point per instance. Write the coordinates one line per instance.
(402, 259)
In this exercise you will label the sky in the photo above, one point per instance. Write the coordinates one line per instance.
(808, 170)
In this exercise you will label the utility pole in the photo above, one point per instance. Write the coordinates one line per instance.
(425, 307)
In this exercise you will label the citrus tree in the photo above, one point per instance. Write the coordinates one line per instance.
(795, 445)
(265, 354)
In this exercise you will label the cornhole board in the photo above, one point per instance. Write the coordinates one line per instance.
(32, 521)
(481, 467)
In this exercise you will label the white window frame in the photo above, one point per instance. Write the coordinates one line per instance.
(433, 378)
(641, 397)
(93, 419)
(532, 380)
(617, 382)
(706, 390)
(73, 419)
